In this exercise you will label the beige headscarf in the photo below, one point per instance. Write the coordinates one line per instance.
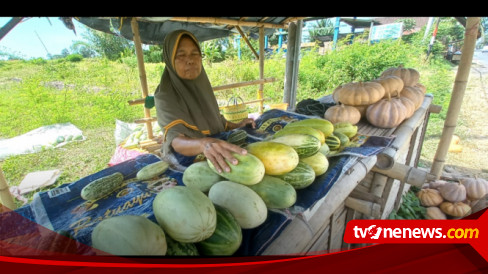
(187, 107)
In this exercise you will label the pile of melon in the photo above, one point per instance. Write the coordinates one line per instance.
(451, 199)
(206, 215)
(384, 102)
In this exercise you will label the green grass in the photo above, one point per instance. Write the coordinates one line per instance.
(93, 93)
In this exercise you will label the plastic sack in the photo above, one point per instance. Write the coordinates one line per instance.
(46, 137)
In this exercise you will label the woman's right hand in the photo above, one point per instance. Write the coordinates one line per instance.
(218, 151)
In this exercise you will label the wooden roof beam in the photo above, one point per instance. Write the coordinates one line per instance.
(224, 21)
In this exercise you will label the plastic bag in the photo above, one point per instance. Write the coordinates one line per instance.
(46, 137)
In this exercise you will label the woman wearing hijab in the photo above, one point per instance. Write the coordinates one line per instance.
(186, 106)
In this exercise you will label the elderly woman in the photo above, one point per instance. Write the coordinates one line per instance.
(186, 106)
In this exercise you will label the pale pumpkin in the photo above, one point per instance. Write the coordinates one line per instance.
(453, 192)
(410, 76)
(362, 110)
(342, 113)
(476, 188)
(335, 94)
(414, 94)
(430, 197)
(360, 93)
(434, 213)
(437, 183)
(457, 209)
(393, 84)
(387, 113)
(409, 106)
(421, 87)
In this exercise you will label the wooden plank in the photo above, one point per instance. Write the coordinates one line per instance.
(350, 215)
(337, 227)
(293, 239)
(6, 198)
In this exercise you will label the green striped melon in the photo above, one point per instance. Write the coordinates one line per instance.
(300, 177)
(248, 171)
(305, 145)
(176, 248)
(346, 128)
(342, 137)
(333, 142)
(324, 149)
(318, 162)
(277, 158)
(152, 170)
(287, 130)
(227, 237)
(275, 192)
(325, 126)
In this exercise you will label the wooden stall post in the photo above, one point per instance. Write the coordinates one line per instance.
(292, 63)
(462, 75)
(5, 195)
(142, 74)
(261, 68)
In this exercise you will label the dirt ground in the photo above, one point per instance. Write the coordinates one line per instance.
(472, 129)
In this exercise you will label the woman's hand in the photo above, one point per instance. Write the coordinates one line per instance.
(243, 123)
(247, 121)
(218, 151)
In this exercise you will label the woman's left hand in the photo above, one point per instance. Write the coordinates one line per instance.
(245, 122)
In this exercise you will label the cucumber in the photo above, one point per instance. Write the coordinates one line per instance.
(152, 170)
(102, 187)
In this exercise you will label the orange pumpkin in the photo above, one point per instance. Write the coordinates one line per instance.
(342, 113)
(421, 87)
(360, 93)
(386, 113)
(409, 106)
(392, 84)
(414, 94)
(409, 76)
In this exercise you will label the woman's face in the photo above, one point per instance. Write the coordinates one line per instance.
(188, 60)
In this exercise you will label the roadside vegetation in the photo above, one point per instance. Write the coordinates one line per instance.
(90, 85)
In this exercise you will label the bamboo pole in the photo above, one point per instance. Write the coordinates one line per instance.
(243, 35)
(223, 21)
(462, 75)
(6, 198)
(243, 84)
(261, 69)
(368, 208)
(405, 173)
(219, 88)
(142, 73)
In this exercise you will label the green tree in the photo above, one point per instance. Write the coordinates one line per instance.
(107, 45)
(408, 23)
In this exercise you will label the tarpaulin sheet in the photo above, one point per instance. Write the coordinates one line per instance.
(62, 208)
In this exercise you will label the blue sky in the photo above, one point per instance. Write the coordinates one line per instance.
(23, 41)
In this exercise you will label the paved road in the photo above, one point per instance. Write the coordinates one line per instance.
(481, 60)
